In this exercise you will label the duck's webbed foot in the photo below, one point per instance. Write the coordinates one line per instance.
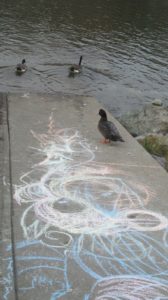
(105, 141)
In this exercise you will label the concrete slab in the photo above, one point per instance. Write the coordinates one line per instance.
(7, 283)
(89, 220)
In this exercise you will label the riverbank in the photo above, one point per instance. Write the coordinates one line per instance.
(150, 127)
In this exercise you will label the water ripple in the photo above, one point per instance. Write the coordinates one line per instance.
(124, 48)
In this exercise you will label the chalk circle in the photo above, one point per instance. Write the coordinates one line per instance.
(67, 205)
(113, 190)
(128, 287)
(57, 239)
(146, 220)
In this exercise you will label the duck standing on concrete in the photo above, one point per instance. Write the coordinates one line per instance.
(108, 129)
(21, 68)
(75, 69)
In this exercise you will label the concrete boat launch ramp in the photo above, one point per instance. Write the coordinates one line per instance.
(80, 220)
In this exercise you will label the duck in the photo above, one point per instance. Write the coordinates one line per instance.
(75, 69)
(108, 129)
(21, 68)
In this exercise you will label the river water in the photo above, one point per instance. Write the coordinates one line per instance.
(124, 44)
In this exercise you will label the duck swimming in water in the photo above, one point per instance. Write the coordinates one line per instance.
(108, 129)
(74, 69)
(21, 68)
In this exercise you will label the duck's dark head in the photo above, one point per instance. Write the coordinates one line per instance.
(80, 60)
(23, 61)
(103, 114)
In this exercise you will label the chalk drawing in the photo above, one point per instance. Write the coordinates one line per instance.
(94, 214)
(36, 269)
(128, 288)
(7, 280)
